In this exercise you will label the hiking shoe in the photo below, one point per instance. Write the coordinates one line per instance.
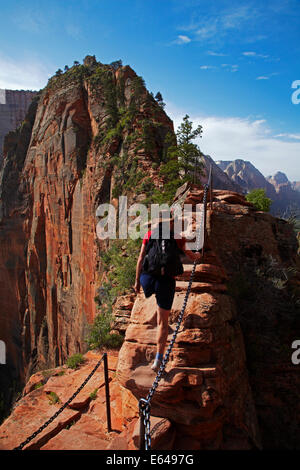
(156, 365)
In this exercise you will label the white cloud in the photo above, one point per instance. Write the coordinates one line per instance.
(216, 54)
(27, 74)
(267, 77)
(208, 31)
(249, 53)
(181, 39)
(237, 16)
(213, 28)
(229, 138)
(289, 136)
(254, 54)
(230, 67)
(227, 67)
(207, 67)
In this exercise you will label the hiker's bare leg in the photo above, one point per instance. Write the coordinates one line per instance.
(162, 329)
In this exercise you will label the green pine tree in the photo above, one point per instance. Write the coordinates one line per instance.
(189, 154)
(181, 161)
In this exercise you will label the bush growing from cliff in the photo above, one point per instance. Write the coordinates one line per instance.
(119, 261)
(126, 173)
(74, 361)
(53, 398)
(38, 385)
(93, 395)
(259, 199)
(99, 335)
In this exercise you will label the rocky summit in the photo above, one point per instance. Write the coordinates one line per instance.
(87, 134)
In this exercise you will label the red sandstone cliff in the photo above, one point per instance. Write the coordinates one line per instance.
(230, 382)
(57, 169)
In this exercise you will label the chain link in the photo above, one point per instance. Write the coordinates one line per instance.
(145, 404)
(24, 443)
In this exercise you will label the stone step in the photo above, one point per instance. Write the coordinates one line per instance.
(200, 287)
(203, 272)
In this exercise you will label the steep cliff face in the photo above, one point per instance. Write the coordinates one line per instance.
(229, 383)
(205, 391)
(92, 126)
(259, 254)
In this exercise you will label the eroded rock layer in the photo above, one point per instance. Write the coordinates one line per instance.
(58, 167)
(210, 391)
(229, 383)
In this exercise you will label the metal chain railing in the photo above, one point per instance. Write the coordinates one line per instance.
(145, 403)
(103, 358)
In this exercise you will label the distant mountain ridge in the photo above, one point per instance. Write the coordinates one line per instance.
(296, 185)
(285, 196)
(220, 179)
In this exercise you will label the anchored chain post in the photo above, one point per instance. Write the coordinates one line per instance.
(107, 392)
(145, 404)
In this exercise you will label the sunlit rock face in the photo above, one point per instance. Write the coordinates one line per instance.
(57, 169)
(229, 347)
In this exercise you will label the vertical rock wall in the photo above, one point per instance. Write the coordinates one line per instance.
(57, 169)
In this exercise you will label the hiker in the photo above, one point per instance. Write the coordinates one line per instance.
(161, 280)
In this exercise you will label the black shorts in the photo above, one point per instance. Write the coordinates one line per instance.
(162, 286)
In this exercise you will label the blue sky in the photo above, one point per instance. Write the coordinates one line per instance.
(229, 65)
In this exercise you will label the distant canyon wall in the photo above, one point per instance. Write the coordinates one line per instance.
(283, 193)
(14, 105)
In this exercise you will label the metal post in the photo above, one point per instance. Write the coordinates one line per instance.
(107, 393)
(142, 424)
(204, 219)
(210, 188)
(207, 186)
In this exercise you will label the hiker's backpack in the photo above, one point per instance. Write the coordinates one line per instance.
(162, 257)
